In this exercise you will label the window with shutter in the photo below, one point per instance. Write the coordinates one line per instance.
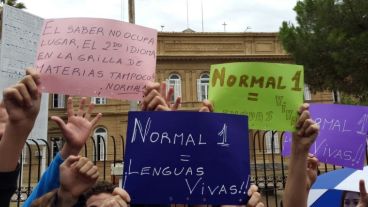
(100, 137)
(98, 100)
(307, 93)
(268, 144)
(174, 82)
(202, 87)
(58, 101)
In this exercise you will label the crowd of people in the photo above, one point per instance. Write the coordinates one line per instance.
(71, 180)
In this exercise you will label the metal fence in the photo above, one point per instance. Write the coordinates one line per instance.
(268, 166)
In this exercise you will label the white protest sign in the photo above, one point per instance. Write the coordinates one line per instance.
(20, 36)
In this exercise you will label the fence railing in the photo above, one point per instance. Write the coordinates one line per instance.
(268, 166)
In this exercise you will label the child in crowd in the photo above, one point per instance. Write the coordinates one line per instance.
(104, 194)
(18, 112)
(76, 132)
(350, 199)
(355, 199)
(78, 188)
(77, 175)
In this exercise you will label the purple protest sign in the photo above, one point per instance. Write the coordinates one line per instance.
(342, 137)
(286, 144)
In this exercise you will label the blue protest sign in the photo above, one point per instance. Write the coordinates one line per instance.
(187, 157)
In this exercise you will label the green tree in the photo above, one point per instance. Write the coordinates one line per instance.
(331, 41)
(14, 3)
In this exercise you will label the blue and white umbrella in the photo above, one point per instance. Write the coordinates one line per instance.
(328, 188)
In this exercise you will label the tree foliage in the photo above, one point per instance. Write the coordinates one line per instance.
(14, 3)
(331, 41)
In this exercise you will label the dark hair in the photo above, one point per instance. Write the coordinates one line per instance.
(99, 187)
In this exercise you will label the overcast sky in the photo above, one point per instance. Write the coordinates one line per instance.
(259, 15)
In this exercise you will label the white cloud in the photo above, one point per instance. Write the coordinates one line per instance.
(260, 15)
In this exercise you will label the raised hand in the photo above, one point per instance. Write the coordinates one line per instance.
(18, 112)
(22, 101)
(78, 127)
(307, 130)
(77, 174)
(363, 201)
(206, 107)
(156, 99)
(169, 96)
(255, 197)
(302, 172)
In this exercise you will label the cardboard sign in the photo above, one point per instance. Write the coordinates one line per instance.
(96, 57)
(20, 35)
(342, 137)
(270, 94)
(172, 160)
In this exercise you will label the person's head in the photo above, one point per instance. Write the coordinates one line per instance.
(350, 199)
(3, 119)
(95, 196)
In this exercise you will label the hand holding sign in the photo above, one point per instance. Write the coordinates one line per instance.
(156, 98)
(343, 131)
(307, 130)
(269, 94)
(301, 171)
(96, 57)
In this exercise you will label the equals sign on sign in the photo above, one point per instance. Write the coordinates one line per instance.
(184, 158)
(253, 96)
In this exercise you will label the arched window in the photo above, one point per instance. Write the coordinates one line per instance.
(202, 87)
(174, 82)
(100, 137)
(268, 144)
(57, 144)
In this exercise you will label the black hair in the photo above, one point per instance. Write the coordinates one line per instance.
(97, 188)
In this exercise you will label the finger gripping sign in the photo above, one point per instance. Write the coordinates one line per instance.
(342, 136)
(170, 160)
(270, 94)
(96, 57)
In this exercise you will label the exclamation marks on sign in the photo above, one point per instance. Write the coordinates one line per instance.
(99, 92)
(253, 96)
(241, 188)
(358, 156)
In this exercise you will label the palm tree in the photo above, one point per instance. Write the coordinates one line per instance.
(14, 3)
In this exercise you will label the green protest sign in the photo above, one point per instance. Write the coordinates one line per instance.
(270, 94)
